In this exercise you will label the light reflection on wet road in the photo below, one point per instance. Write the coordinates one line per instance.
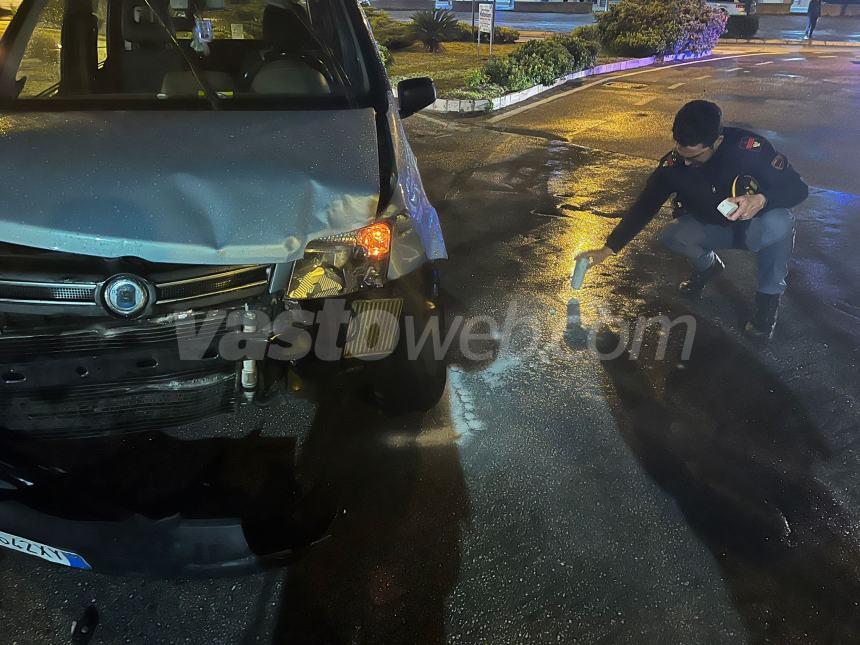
(554, 497)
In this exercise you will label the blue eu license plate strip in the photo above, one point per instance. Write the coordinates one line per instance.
(43, 551)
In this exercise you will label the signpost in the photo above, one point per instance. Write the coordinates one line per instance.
(445, 5)
(486, 18)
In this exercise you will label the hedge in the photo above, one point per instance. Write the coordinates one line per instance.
(741, 27)
(656, 27)
(537, 62)
(501, 35)
(587, 32)
(385, 55)
(389, 32)
(583, 52)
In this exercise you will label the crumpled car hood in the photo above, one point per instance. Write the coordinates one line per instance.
(188, 187)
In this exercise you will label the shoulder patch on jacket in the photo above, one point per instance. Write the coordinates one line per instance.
(669, 160)
(752, 144)
(779, 162)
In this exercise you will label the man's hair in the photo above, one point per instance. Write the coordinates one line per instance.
(698, 123)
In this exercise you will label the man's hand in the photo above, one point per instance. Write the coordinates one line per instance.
(748, 207)
(595, 256)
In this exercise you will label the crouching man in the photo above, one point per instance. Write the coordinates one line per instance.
(732, 191)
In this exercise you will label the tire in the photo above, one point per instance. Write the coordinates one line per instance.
(402, 386)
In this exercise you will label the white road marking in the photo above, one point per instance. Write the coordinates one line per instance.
(675, 86)
(702, 77)
(767, 62)
(788, 60)
(733, 69)
(549, 99)
(644, 101)
(820, 55)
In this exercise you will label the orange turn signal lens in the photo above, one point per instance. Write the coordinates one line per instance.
(376, 239)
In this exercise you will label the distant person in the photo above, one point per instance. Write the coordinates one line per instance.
(711, 164)
(814, 15)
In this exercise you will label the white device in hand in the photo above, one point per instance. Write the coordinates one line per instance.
(727, 208)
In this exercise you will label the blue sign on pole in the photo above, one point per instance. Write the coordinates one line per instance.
(444, 4)
(504, 5)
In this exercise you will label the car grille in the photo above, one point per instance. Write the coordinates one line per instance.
(97, 341)
(238, 281)
(212, 285)
(46, 292)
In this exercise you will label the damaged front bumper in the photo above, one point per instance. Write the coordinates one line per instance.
(153, 505)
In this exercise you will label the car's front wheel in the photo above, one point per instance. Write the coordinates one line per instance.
(412, 378)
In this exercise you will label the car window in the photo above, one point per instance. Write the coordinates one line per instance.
(7, 10)
(172, 49)
(40, 67)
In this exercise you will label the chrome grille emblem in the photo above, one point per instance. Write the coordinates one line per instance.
(125, 296)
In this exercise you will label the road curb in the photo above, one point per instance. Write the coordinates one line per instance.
(787, 41)
(471, 106)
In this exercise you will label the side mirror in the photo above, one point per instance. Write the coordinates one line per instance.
(415, 94)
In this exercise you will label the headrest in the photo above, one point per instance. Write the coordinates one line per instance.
(285, 29)
(140, 25)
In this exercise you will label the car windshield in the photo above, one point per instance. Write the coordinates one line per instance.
(229, 52)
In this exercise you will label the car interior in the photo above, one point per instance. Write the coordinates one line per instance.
(154, 48)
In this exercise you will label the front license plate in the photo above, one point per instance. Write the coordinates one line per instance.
(49, 553)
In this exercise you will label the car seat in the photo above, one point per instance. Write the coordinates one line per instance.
(290, 63)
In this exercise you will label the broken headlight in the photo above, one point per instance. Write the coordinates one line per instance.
(343, 263)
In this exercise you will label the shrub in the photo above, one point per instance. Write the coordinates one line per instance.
(476, 78)
(463, 33)
(741, 26)
(535, 62)
(700, 27)
(583, 52)
(387, 58)
(397, 36)
(507, 73)
(587, 32)
(389, 32)
(542, 61)
(478, 86)
(505, 35)
(433, 28)
(656, 27)
(501, 35)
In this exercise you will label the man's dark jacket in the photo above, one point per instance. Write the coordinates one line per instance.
(745, 163)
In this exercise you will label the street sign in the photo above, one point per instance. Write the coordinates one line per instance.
(504, 5)
(447, 5)
(485, 18)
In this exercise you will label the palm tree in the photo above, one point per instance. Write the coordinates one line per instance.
(434, 27)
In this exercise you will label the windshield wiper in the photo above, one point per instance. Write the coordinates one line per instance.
(210, 94)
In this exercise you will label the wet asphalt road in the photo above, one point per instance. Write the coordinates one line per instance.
(783, 27)
(551, 496)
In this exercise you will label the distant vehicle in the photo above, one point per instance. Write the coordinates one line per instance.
(731, 8)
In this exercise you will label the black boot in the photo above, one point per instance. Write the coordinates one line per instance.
(692, 288)
(764, 321)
